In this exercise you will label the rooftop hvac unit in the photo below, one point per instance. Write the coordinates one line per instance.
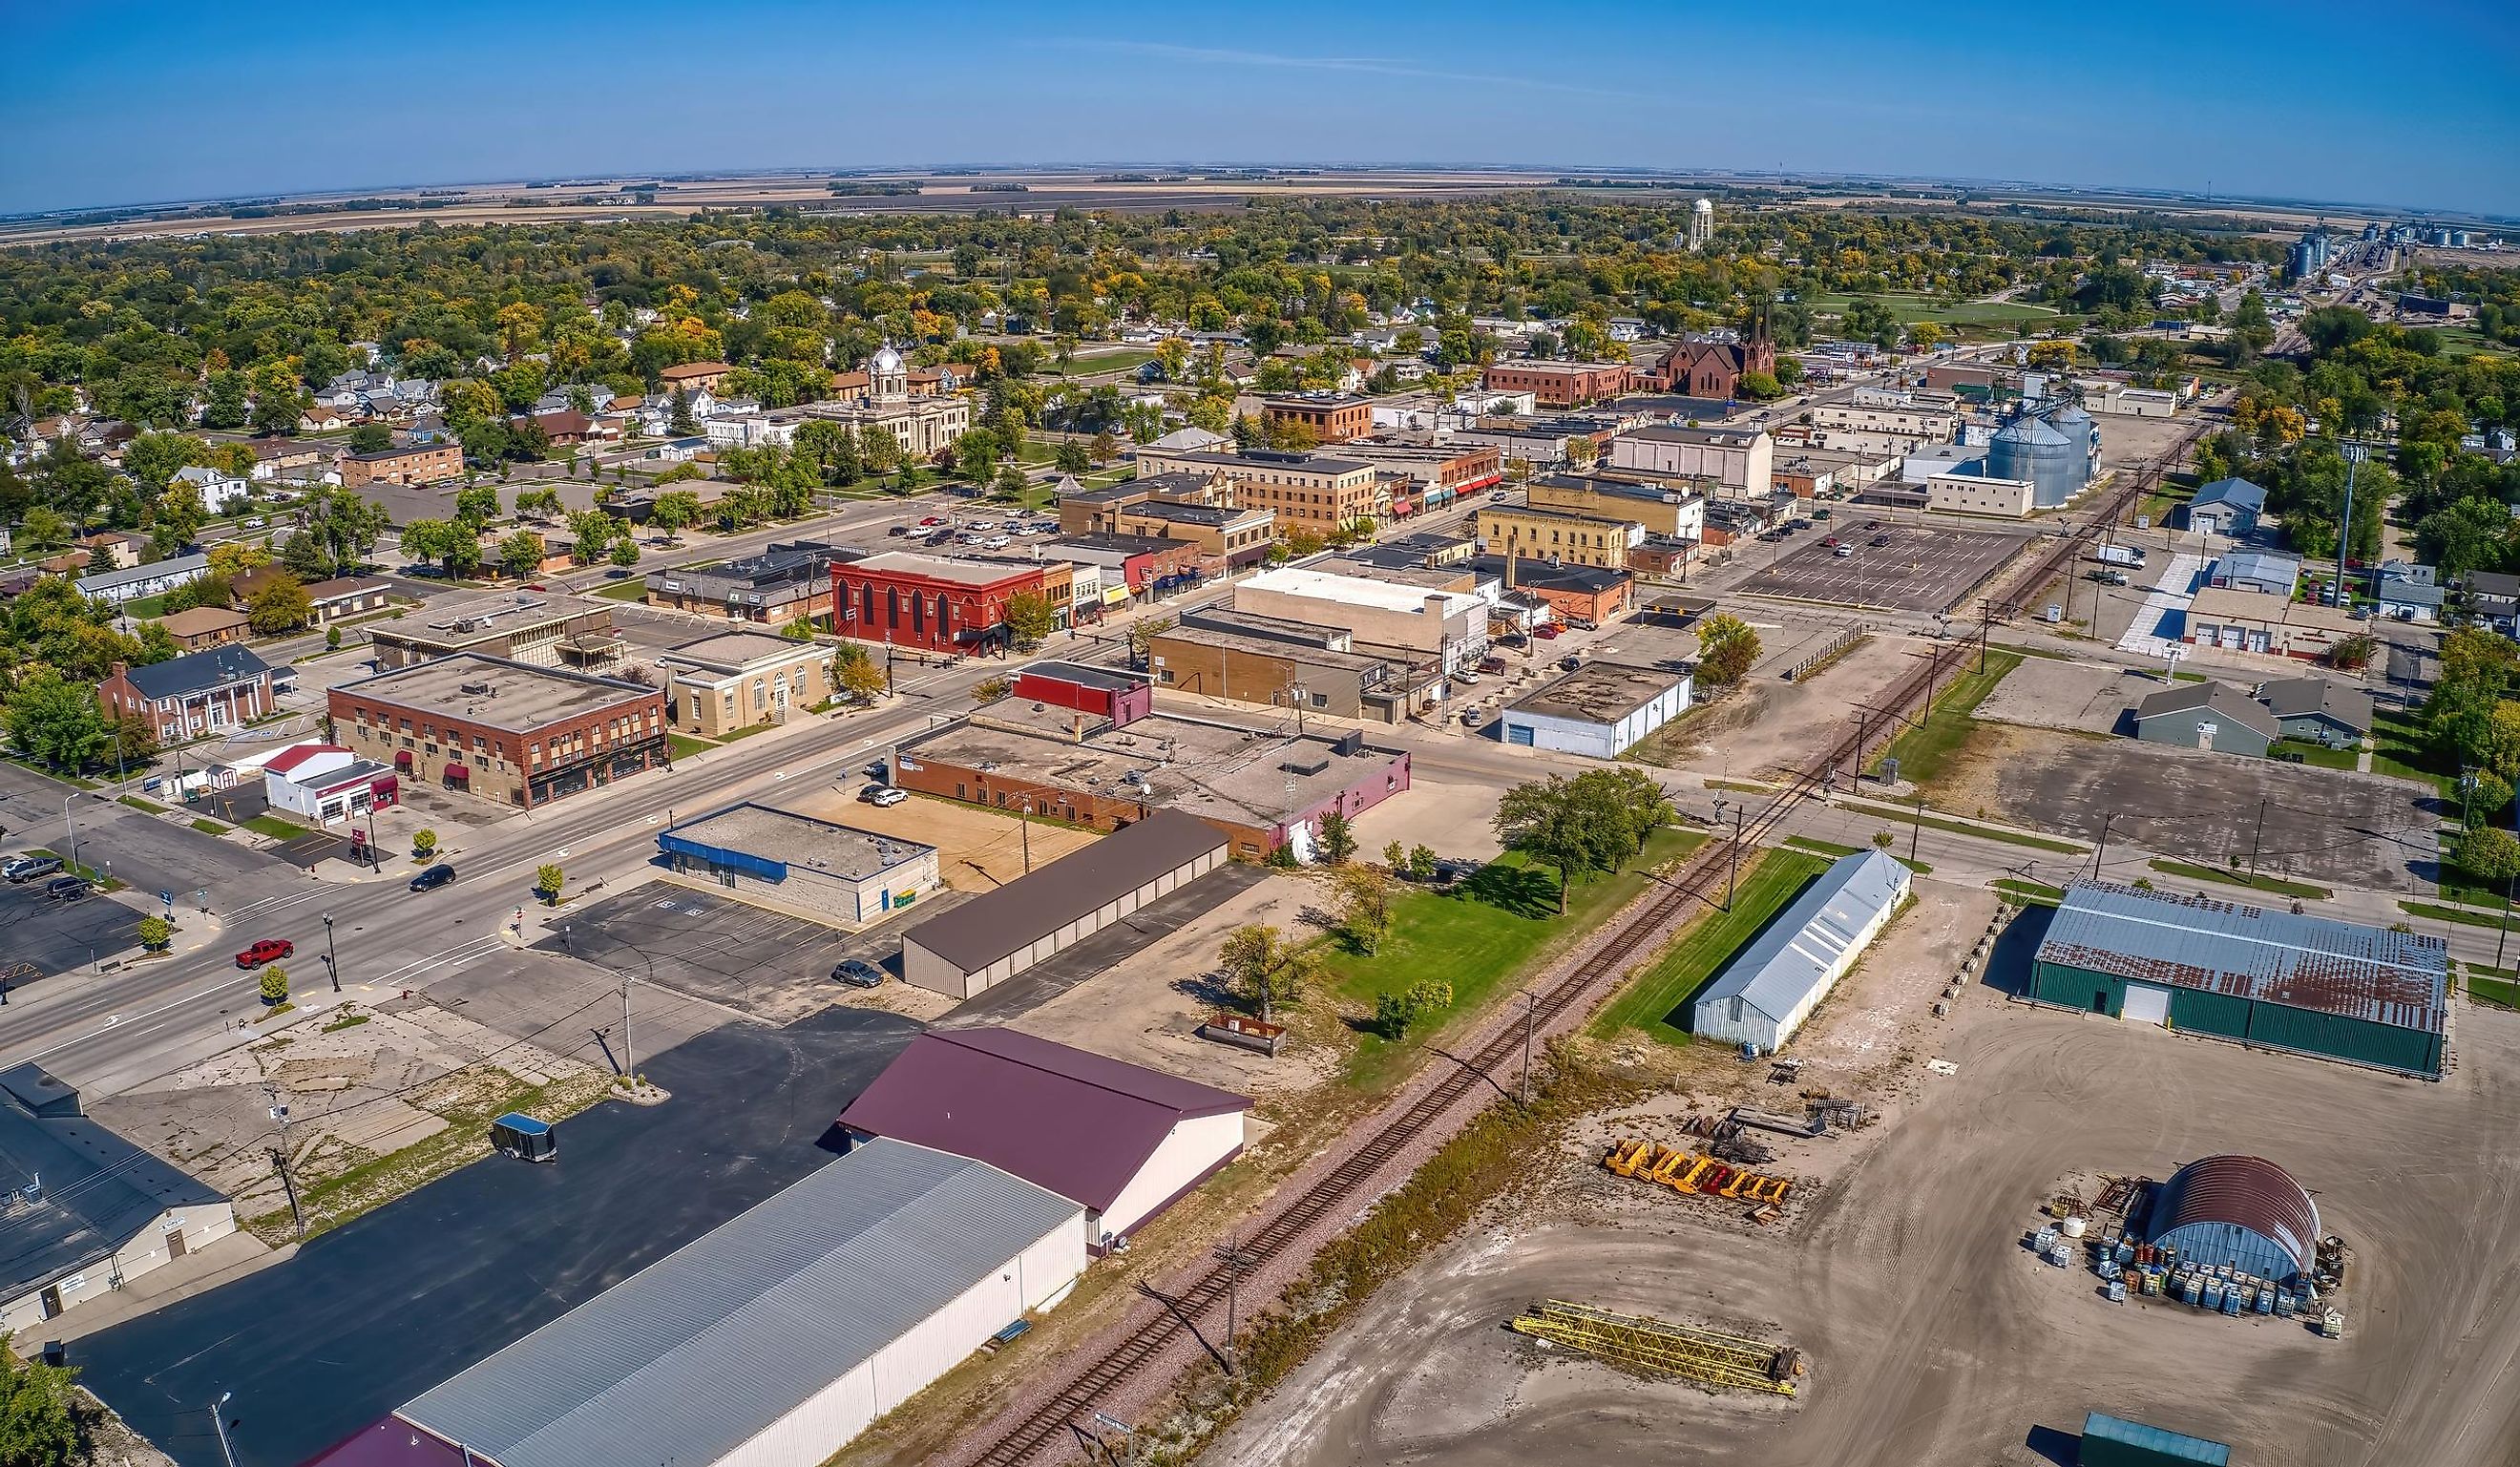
(1350, 744)
(1306, 764)
(477, 689)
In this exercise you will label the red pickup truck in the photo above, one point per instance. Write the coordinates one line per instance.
(269, 949)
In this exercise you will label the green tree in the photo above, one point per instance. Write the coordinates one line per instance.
(1073, 456)
(275, 986)
(1395, 1014)
(624, 552)
(861, 678)
(1727, 650)
(180, 515)
(223, 406)
(58, 721)
(155, 933)
(38, 1427)
(1338, 838)
(1264, 970)
(43, 529)
(591, 535)
(1030, 618)
(521, 554)
(1365, 907)
(674, 510)
(423, 843)
(1422, 863)
(476, 505)
(1586, 827)
(681, 423)
(343, 526)
(2491, 855)
(279, 605)
(548, 880)
(371, 438)
(151, 458)
(2486, 795)
(541, 502)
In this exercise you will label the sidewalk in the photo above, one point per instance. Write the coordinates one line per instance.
(222, 1262)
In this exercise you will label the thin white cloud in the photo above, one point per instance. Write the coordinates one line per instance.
(1359, 66)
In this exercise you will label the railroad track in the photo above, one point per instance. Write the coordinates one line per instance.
(1344, 1185)
(2068, 548)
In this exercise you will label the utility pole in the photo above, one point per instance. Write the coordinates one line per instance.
(1235, 1261)
(332, 963)
(219, 1426)
(70, 825)
(2354, 451)
(1735, 875)
(2255, 835)
(1916, 828)
(1530, 1017)
(629, 1056)
(2100, 853)
(1026, 820)
(280, 1157)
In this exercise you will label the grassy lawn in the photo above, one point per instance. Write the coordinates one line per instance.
(2401, 748)
(1932, 821)
(1926, 751)
(137, 803)
(274, 826)
(684, 746)
(1494, 927)
(1909, 308)
(746, 732)
(2261, 882)
(631, 589)
(1655, 1003)
(2318, 754)
(1738, 788)
(211, 828)
(2459, 914)
(145, 608)
(2031, 893)
(1125, 358)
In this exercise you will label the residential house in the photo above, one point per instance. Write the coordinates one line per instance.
(137, 583)
(2227, 506)
(345, 597)
(187, 698)
(219, 492)
(2206, 716)
(2408, 592)
(2319, 710)
(323, 418)
(197, 628)
(2494, 595)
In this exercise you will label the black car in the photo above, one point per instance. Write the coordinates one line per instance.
(432, 878)
(858, 974)
(67, 888)
(1570, 663)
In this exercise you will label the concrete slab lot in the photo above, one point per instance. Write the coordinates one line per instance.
(371, 1314)
(1920, 568)
(1934, 1339)
(2360, 829)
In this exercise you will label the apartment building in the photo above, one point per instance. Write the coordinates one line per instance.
(1560, 385)
(1302, 490)
(510, 731)
(420, 464)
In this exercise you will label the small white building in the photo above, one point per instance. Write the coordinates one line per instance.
(814, 869)
(139, 582)
(1771, 987)
(1601, 709)
(1124, 1140)
(1979, 494)
(88, 1210)
(219, 492)
(326, 785)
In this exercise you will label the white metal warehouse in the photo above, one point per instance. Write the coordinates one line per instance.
(991, 938)
(774, 1339)
(1767, 990)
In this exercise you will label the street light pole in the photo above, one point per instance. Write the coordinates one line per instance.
(218, 1425)
(332, 962)
(73, 827)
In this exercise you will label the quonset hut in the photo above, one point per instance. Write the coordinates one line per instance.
(2241, 1211)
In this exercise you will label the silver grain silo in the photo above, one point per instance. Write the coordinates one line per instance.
(2082, 433)
(2027, 448)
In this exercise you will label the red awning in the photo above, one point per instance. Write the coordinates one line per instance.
(458, 771)
(402, 758)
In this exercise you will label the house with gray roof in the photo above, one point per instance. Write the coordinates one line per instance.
(121, 588)
(2266, 572)
(2206, 716)
(2319, 710)
(197, 693)
(2225, 507)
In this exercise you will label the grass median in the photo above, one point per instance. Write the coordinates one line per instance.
(2273, 885)
(1926, 752)
(1933, 821)
(1656, 1001)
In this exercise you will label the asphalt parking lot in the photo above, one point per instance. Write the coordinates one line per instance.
(371, 1314)
(1916, 567)
(151, 853)
(56, 937)
(765, 963)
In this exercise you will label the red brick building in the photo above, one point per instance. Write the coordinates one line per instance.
(509, 731)
(1699, 367)
(1560, 385)
(904, 600)
(1123, 698)
(1332, 417)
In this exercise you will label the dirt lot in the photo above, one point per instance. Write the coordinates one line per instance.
(1920, 567)
(1932, 1336)
(1452, 818)
(970, 841)
(2360, 829)
(2046, 693)
(1767, 723)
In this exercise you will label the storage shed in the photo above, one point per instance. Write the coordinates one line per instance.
(1766, 991)
(1124, 1140)
(991, 938)
(2242, 1211)
(773, 1340)
(2279, 980)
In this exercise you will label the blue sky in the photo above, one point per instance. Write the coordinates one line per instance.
(2413, 105)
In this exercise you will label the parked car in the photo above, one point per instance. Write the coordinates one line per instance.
(1569, 665)
(899, 529)
(28, 866)
(65, 888)
(931, 522)
(884, 796)
(1545, 631)
(432, 878)
(1830, 541)
(1472, 718)
(858, 974)
(269, 949)
(876, 770)
(1492, 664)
(1466, 678)
(1843, 551)
(1879, 541)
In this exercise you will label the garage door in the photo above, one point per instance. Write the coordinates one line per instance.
(2146, 1005)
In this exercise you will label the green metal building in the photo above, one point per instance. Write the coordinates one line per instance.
(2273, 979)
(2114, 1441)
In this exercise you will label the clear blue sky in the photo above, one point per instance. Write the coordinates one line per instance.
(2409, 104)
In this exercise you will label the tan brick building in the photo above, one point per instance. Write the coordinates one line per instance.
(1330, 417)
(1312, 491)
(1560, 385)
(421, 464)
(736, 680)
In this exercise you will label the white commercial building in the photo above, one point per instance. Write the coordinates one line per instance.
(1452, 623)
(1979, 494)
(1600, 710)
(771, 1342)
(1742, 460)
(1766, 991)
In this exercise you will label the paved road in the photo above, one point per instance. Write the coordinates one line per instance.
(370, 1315)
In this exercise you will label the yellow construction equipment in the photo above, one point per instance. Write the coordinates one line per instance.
(1626, 1156)
(1639, 1342)
(1740, 1179)
(1688, 1183)
(1688, 1171)
(1667, 1165)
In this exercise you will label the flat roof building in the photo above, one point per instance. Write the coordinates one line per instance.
(1124, 1140)
(1542, 534)
(999, 934)
(1770, 988)
(1314, 490)
(947, 605)
(2270, 979)
(782, 582)
(510, 731)
(1742, 460)
(737, 680)
(523, 626)
(814, 869)
(1601, 709)
(1451, 625)
(1559, 384)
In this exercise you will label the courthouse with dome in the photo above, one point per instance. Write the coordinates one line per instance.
(923, 425)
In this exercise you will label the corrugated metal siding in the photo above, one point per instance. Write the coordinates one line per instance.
(2371, 973)
(717, 1343)
(2112, 1442)
(1808, 945)
(2245, 1192)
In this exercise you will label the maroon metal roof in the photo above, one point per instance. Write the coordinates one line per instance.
(2248, 1191)
(392, 1443)
(1077, 1124)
